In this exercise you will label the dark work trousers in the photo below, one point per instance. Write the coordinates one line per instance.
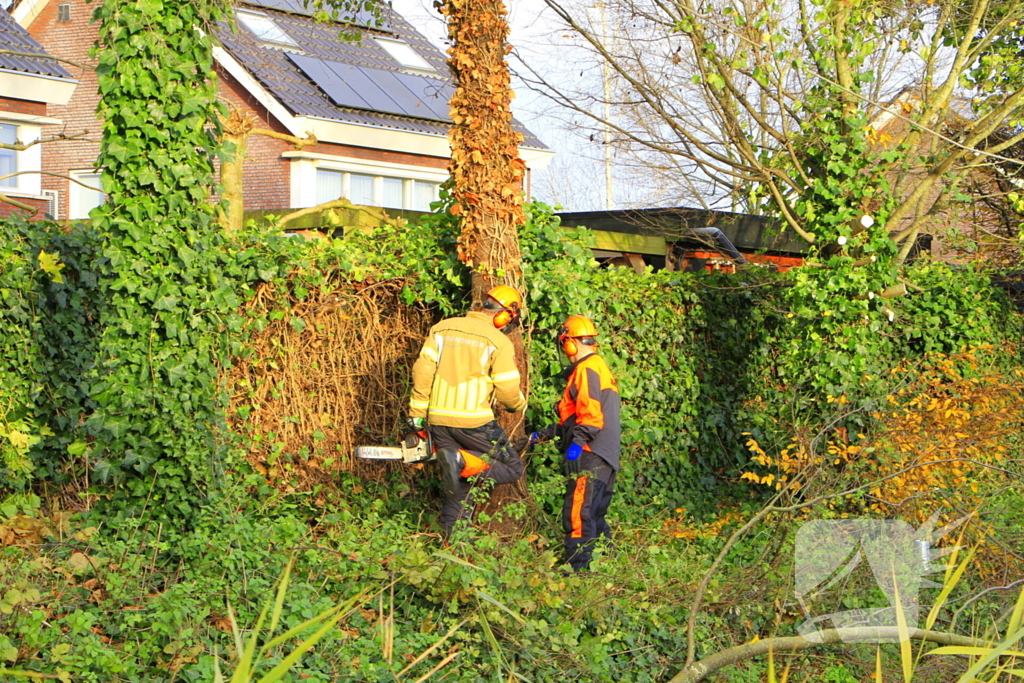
(488, 442)
(587, 497)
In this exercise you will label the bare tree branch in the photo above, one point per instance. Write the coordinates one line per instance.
(22, 146)
(698, 671)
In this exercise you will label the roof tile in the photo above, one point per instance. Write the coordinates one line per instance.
(285, 81)
(16, 39)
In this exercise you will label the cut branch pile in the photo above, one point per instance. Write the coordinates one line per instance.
(330, 375)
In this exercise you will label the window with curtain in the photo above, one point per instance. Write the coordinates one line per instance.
(360, 189)
(8, 157)
(329, 185)
(373, 190)
(423, 195)
(85, 199)
(394, 193)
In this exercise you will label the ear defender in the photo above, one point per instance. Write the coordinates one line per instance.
(510, 301)
(577, 331)
(506, 316)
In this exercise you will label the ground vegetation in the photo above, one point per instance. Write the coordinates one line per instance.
(130, 592)
(178, 491)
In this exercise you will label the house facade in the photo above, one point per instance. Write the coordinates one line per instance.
(978, 225)
(31, 85)
(377, 108)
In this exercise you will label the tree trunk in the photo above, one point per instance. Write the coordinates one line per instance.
(487, 172)
(236, 137)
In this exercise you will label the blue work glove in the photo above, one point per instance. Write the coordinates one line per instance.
(546, 434)
(573, 464)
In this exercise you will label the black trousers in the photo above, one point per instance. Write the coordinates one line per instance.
(587, 497)
(488, 442)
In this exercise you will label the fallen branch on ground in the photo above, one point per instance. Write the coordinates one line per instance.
(699, 670)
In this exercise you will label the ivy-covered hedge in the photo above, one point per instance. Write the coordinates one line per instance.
(701, 358)
(704, 359)
(47, 328)
(55, 375)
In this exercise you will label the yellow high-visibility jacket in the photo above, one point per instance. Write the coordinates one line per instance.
(465, 363)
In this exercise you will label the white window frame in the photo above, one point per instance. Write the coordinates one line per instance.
(255, 19)
(27, 184)
(405, 54)
(304, 166)
(76, 193)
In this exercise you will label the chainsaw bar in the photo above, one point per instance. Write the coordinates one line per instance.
(418, 453)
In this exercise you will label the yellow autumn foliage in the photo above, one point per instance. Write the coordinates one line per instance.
(940, 441)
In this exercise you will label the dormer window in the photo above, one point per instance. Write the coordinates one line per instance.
(265, 28)
(403, 53)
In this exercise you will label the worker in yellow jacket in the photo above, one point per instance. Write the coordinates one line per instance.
(465, 364)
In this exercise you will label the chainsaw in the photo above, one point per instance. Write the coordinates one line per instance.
(415, 448)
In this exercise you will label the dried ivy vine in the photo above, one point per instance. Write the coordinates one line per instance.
(485, 167)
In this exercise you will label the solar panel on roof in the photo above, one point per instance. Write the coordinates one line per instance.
(362, 87)
(333, 85)
(365, 86)
(431, 92)
(406, 100)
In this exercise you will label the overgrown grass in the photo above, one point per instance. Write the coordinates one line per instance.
(142, 602)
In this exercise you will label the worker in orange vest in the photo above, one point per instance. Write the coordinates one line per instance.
(589, 434)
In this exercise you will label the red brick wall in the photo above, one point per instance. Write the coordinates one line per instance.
(266, 178)
(266, 181)
(7, 210)
(70, 40)
(22, 106)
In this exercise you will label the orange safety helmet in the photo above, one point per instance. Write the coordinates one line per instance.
(511, 301)
(576, 327)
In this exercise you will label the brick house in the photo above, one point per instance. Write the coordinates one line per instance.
(378, 108)
(31, 83)
(983, 227)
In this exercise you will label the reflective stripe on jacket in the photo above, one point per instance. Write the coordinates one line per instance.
(465, 363)
(589, 410)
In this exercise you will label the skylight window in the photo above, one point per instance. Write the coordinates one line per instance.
(265, 28)
(404, 54)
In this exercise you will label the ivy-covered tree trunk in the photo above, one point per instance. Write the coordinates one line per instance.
(163, 273)
(485, 165)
